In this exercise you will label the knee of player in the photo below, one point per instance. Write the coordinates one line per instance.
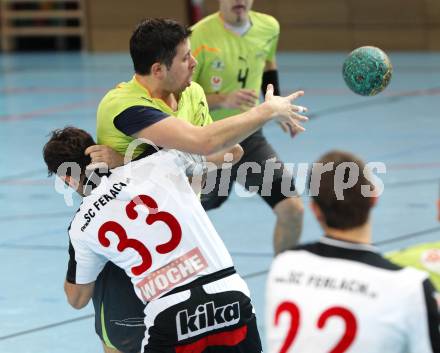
(289, 209)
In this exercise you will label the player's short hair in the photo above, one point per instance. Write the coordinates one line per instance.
(354, 208)
(67, 145)
(156, 40)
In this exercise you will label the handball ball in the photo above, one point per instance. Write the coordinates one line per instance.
(367, 71)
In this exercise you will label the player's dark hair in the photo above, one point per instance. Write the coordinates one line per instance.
(156, 40)
(67, 145)
(353, 210)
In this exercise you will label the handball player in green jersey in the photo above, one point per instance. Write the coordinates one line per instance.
(235, 50)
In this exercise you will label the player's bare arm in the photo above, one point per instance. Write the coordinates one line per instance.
(231, 156)
(78, 295)
(178, 134)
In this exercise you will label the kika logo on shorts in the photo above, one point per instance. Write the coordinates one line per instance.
(207, 317)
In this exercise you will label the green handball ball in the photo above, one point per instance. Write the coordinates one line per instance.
(367, 71)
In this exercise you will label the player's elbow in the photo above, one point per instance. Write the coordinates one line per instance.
(77, 303)
(204, 142)
(211, 145)
(203, 145)
(78, 296)
(198, 141)
(237, 153)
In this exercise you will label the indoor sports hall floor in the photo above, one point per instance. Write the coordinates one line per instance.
(400, 127)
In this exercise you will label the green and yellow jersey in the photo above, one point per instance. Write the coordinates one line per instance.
(192, 107)
(424, 256)
(228, 62)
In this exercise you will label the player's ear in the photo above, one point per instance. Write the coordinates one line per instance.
(158, 69)
(69, 181)
(316, 211)
(373, 200)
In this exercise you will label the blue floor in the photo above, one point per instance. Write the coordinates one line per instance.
(400, 127)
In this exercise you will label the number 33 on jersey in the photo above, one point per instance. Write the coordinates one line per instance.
(150, 224)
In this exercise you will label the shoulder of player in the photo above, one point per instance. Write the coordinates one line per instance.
(311, 247)
(299, 250)
(88, 210)
(140, 167)
(203, 24)
(409, 284)
(118, 100)
(121, 87)
(130, 90)
(265, 20)
(327, 252)
(73, 228)
(412, 274)
(155, 166)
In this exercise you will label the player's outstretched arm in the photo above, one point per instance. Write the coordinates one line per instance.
(177, 134)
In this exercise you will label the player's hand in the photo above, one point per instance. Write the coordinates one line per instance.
(284, 111)
(101, 154)
(287, 129)
(242, 99)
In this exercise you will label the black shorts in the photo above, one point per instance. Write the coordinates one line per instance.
(269, 187)
(119, 314)
(211, 314)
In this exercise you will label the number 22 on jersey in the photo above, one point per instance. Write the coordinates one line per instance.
(292, 310)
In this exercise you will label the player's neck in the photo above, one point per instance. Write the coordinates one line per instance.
(80, 189)
(156, 91)
(82, 192)
(240, 28)
(233, 22)
(360, 234)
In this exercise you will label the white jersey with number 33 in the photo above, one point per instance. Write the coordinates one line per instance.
(335, 296)
(145, 218)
